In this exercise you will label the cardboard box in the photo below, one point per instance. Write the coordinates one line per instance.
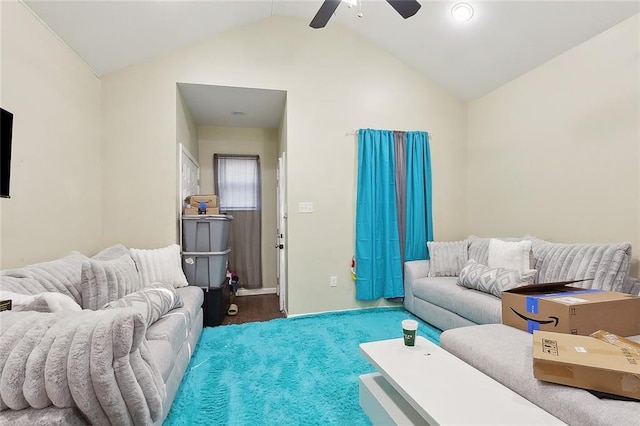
(564, 309)
(587, 362)
(194, 211)
(195, 200)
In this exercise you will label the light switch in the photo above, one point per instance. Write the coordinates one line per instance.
(305, 207)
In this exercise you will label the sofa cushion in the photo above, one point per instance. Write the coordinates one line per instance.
(476, 306)
(607, 264)
(192, 298)
(160, 265)
(106, 280)
(162, 353)
(493, 280)
(505, 354)
(175, 325)
(61, 276)
(172, 327)
(447, 258)
(152, 302)
(509, 254)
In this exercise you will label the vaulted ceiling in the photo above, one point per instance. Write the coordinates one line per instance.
(504, 40)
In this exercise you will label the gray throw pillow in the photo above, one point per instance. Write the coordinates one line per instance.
(106, 280)
(152, 301)
(494, 281)
(447, 258)
(110, 253)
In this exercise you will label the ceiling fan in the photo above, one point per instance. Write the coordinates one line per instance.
(406, 9)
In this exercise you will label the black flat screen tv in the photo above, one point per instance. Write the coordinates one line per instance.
(6, 133)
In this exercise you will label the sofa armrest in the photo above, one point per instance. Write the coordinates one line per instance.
(413, 270)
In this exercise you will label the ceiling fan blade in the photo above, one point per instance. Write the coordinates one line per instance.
(324, 13)
(406, 8)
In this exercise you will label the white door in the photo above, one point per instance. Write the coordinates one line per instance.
(281, 239)
(189, 182)
(190, 174)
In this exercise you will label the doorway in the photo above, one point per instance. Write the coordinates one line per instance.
(245, 121)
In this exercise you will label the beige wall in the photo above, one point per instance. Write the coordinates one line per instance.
(367, 88)
(261, 142)
(55, 205)
(139, 159)
(555, 153)
(186, 128)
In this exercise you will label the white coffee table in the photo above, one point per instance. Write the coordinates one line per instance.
(426, 385)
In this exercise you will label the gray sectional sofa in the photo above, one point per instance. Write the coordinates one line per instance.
(471, 321)
(443, 304)
(121, 364)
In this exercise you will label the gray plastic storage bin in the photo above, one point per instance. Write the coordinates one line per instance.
(206, 270)
(205, 233)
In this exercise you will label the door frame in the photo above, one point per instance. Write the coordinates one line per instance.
(281, 232)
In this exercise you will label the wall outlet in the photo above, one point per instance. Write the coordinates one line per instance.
(333, 281)
(305, 207)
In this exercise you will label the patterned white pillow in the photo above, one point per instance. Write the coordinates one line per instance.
(510, 254)
(447, 258)
(152, 301)
(493, 280)
(160, 265)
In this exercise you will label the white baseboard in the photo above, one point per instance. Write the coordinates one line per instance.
(341, 310)
(255, 291)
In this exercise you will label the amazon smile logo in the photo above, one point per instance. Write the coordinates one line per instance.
(552, 319)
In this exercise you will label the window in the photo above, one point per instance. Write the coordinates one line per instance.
(237, 181)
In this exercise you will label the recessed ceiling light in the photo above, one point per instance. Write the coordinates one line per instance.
(462, 12)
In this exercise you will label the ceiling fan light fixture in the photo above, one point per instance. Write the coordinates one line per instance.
(462, 12)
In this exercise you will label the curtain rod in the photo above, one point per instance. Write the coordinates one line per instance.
(355, 132)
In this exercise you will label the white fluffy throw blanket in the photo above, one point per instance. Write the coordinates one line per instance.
(97, 361)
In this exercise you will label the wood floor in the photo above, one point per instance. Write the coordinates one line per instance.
(255, 308)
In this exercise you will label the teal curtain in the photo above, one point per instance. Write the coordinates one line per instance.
(394, 183)
(378, 262)
(418, 220)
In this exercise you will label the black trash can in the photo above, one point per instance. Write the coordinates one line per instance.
(216, 304)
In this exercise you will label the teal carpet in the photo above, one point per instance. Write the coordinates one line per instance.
(294, 371)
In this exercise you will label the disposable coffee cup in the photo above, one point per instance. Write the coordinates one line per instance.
(409, 328)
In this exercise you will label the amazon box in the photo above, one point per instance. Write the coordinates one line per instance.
(561, 308)
(604, 363)
(195, 200)
(194, 211)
